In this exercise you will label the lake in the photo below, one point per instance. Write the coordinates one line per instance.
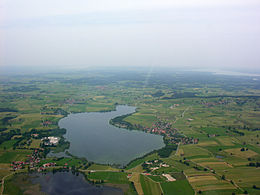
(91, 136)
(67, 183)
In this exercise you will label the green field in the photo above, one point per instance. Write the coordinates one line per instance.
(181, 187)
(213, 118)
(109, 177)
(115, 179)
(149, 186)
(63, 161)
(8, 144)
(17, 155)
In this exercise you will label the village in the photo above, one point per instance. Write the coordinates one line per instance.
(171, 134)
(220, 102)
(33, 163)
(152, 165)
(33, 160)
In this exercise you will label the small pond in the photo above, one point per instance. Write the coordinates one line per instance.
(68, 183)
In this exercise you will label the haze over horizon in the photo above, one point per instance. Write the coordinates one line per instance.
(195, 34)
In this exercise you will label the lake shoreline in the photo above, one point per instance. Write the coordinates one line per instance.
(143, 154)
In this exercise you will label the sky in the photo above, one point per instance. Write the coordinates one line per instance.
(208, 34)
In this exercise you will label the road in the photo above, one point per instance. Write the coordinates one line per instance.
(3, 182)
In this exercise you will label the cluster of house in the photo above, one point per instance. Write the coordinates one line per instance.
(209, 104)
(51, 111)
(165, 129)
(46, 165)
(46, 123)
(32, 161)
(50, 141)
(35, 135)
(212, 135)
(69, 101)
(183, 140)
(153, 165)
(50, 164)
(161, 128)
(18, 165)
(174, 106)
(73, 101)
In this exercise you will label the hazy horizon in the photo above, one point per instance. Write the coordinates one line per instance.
(195, 35)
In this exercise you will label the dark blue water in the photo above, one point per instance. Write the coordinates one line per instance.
(91, 136)
(66, 183)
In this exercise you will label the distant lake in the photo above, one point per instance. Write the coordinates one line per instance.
(91, 136)
(67, 183)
